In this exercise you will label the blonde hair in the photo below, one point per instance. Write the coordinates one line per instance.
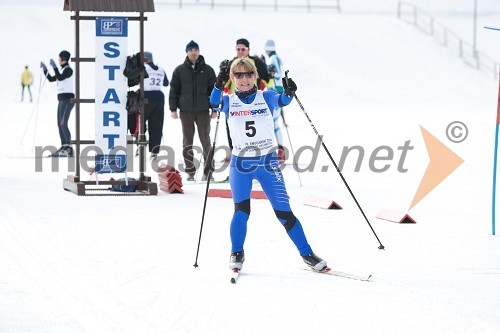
(247, 64)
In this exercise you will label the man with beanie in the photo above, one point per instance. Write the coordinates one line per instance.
(275, 68)
(154, 110)
(243, 51)
(190, 89)
(65, 92)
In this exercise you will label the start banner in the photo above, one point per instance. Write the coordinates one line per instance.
(110, 94)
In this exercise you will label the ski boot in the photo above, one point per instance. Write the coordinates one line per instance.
(64, 151)
(236, 260)
(315, 262)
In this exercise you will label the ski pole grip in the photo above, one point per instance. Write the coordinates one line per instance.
(286, 76)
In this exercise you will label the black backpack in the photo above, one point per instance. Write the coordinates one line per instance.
(124, 187)
(133, 69)
(134, 102)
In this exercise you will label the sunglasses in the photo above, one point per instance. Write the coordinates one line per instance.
(241, 74)
(241, 49)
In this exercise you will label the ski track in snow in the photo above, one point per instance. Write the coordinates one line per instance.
(77, 294)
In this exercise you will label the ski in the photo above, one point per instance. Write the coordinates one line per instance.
(491, 28)
(235, 274)
(341, 274)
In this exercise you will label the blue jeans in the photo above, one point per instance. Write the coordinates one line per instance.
(63, 112)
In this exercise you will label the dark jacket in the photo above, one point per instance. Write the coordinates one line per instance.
(190, 88)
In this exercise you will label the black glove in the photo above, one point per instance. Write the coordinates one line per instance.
(271, 69)
(42, 66)
(223, 76)
(289, 86)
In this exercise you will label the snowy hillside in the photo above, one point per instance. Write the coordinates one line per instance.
(125, 264)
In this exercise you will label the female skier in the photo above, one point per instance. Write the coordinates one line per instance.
(249, 113)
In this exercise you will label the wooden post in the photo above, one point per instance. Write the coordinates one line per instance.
(142, 123)
(77, 93)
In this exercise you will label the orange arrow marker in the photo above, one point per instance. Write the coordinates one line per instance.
(442, 162)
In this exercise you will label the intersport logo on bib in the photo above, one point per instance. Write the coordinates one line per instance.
(247, 112)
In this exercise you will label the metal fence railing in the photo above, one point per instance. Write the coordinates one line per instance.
(447, 38)
(275, 5)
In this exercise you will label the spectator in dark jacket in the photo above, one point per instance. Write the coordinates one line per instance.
(190, 90)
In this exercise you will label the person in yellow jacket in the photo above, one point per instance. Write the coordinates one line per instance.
(26, 82)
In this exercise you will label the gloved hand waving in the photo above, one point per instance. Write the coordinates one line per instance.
(223, 76)
(53, 63)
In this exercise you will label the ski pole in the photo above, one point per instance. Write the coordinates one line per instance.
(200, 159)
(289, 140)
(288, 135)
(495, 162)
(381, 247)
(32, 112)
(36, 113)
(210, 170)
(293, 153)
(35, 109)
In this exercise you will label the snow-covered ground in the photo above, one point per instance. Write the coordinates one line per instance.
(125, 264)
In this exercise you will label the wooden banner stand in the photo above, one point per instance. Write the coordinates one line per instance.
(73, 183)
